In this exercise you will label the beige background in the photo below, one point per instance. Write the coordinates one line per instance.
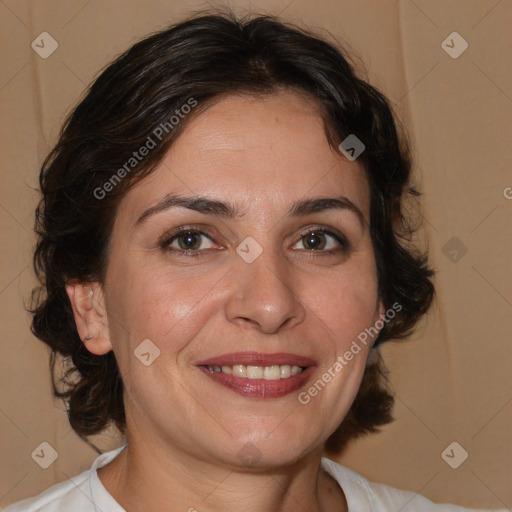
(452, 380)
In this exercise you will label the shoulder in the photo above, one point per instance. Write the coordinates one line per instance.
(83, 492)
(61, 497)
(361, 494)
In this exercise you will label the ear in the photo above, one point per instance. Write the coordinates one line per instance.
(380, 312)
(88, 303)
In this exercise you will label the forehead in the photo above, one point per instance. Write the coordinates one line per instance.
(262, 152)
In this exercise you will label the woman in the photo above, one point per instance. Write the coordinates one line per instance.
(222, 249)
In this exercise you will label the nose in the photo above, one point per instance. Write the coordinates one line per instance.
(263, 295)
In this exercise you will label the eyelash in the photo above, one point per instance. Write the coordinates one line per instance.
(341, 239)
(165, 245)
(168, 240)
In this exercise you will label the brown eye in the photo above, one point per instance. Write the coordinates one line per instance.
(190, 241)
(321, 240)
(314, 241)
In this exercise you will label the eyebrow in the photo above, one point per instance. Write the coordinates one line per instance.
(198, 204)
(321, 204)
(209, 206)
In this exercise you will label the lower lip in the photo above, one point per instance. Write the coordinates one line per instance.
(260, 388)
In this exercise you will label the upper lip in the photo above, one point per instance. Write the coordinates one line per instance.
(257, 359)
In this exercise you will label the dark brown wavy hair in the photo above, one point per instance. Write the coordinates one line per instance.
(203, 58)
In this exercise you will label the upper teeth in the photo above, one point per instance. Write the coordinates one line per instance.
(274, 372)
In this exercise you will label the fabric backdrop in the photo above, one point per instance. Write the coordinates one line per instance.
(452, 378)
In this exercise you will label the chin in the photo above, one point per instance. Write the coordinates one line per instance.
(262, 451)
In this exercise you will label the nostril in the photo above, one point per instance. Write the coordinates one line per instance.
(246, 320)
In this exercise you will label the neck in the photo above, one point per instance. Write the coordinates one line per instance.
(144, 478)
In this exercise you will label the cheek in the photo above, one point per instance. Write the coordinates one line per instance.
(345, 302)
(152, 303)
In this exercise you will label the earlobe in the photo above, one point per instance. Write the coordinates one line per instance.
(380, 314)
(88, 304)
(381, 309)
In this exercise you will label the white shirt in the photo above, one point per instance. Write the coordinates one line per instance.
(85, 493)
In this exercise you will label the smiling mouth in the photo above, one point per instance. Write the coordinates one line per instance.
(258, 375)
(274, 372)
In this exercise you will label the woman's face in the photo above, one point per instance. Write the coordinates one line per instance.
(274, 268)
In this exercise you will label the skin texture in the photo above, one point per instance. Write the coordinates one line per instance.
(185, 431)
